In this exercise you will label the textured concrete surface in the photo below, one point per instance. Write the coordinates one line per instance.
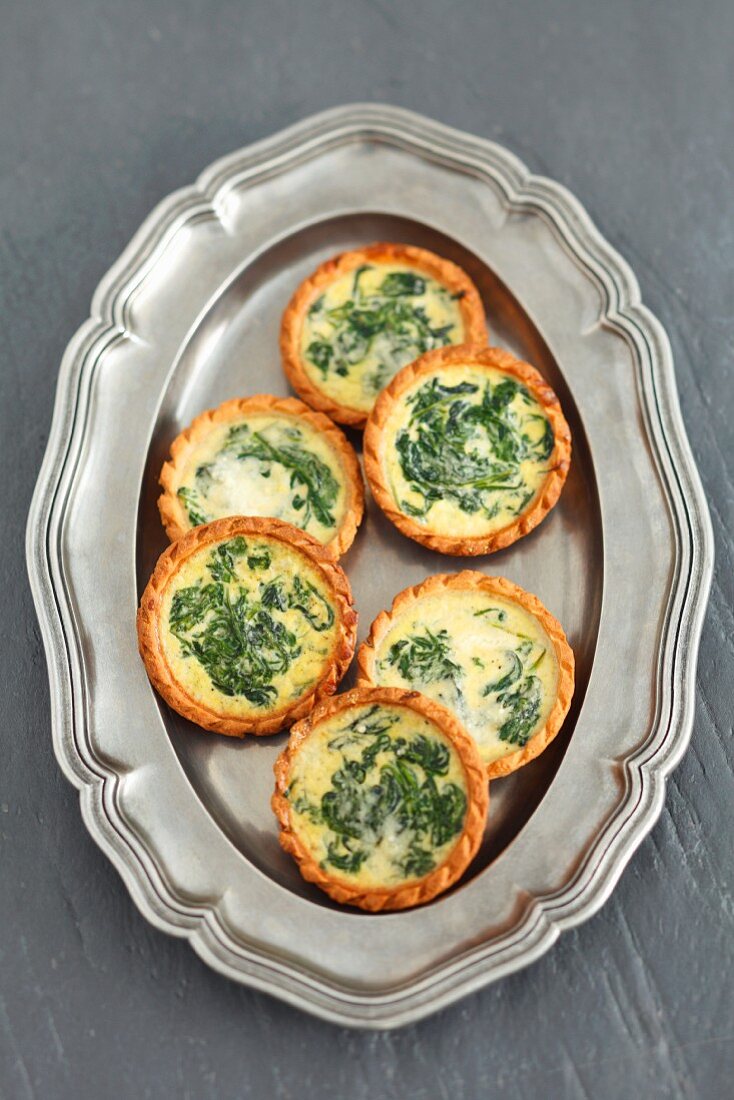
(105, 109)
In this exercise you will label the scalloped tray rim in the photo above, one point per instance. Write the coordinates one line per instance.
(544, 917)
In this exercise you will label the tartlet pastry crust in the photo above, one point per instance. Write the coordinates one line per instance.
(417, 891)
(472, 581)
(443, 271)
(559, 461)
(149, 626)
(172, 512)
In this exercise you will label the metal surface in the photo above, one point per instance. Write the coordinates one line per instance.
(189, 317)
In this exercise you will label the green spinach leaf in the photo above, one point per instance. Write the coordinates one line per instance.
(467, 446)
(424, 658)
(390, 324)
(525, 701)
(235, 632)
(316, 488)
(387, 784)
(222, 562)
(190, 500)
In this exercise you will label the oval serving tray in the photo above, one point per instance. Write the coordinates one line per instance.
(188, 317)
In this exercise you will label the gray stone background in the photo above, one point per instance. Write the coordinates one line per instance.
(105, 108)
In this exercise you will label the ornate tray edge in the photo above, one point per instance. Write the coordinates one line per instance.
(545, 917)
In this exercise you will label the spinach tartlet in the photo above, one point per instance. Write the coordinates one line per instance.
(264, 456)
(486, 649)
(361, 316)
(467, 449)
(245, 624)
(381, 797)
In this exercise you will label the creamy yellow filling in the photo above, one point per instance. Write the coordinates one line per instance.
(485, 658)
(265, 465)
(345, 795)
(465, 480)
(251, 604)
(356, 336)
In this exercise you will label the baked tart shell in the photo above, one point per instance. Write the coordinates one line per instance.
(471, 581)
(415, 892)
(172, 511)
(443, 271)
(559, 461)
(149, 625)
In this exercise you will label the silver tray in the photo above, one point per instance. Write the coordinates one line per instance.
(189, 316)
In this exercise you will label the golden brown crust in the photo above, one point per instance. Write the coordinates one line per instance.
(559, 461)
(172, 512)
(148, 624)
(443, 271)
(472, 581)
(477, 790)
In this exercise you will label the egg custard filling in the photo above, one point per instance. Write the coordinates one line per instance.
(265, 465)
(369, 323)
(486, 658)
(248, 625)
(377, 795)
(466, 450)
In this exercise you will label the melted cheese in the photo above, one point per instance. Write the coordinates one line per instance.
(316, 647)
(217, 482)
(480, 643)
(445, 516)
(325, 752)
(364, 378)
